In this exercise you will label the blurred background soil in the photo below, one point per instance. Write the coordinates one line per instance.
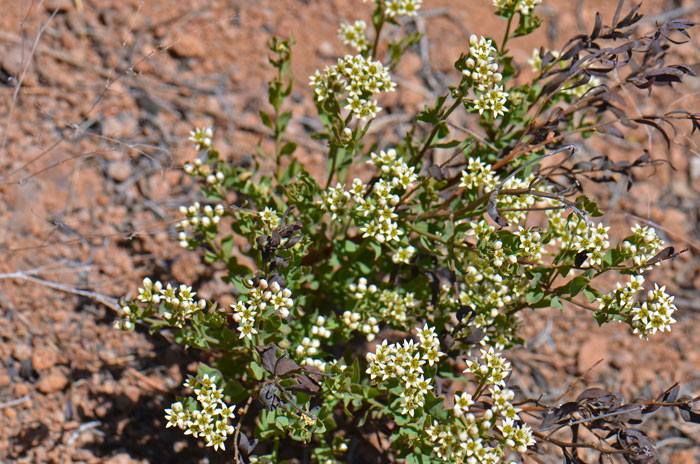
(97, 98)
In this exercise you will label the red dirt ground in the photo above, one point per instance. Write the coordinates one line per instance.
(90, 176)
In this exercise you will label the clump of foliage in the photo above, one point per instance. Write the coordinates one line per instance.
(367, 292)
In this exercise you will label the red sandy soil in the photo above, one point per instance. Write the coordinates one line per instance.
(90, 177)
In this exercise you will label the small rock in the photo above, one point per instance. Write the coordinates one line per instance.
(122, 458)
(4, 379)
(10, 413)
(60, 6)
(119, 170)
(52, 381)
(188, 46)
(22, 351)
(44, 357)
(326, 49)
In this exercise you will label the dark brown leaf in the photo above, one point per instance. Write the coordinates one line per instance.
(285, 366)
(268, 354)
(305, 385)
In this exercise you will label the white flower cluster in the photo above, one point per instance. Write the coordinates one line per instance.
(592, 239)
(360, 77)
(655, 314)
(354, 35)
(198, 218)
(473, 438)
(180, 304)
(211, 421)
(376, 211)
(335, 199)
(309, 346)
(392, 305)
(201, 137)
(270, 218)
(478, 175)
(623, 296)
(403, 255)
(481, 69)
(394, 168)
(643, 245)
(261, 298)
(531, 246)
(403, 363)
(402, 7)
(524, 7)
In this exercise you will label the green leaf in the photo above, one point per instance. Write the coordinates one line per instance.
(288, 148)
(266, 119)
(257, 369)
(574, 286)
(227, 245)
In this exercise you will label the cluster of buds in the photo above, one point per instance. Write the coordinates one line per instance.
(211, 420)
(201, 137)
(642, 245)
(198, 168)
(403, 363)
(482, 71)
(198, 218)
(307, 349)
(319, 328)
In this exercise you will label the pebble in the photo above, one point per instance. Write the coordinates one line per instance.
(44, 357)
(52, 381)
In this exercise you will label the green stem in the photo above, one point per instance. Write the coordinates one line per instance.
(507, 34)
(378, 31)
(436, 127)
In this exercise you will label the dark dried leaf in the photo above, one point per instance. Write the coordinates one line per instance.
(464, 312)
(291, 242)
(268, 395)
(611, 130)
(651, 123)
(689, 414)
(669, 396)
(666, 253)
(492, 209)
(245, 445)
(437, 173)
(593, 394)
(285, 366)
(557, 415)
(580, 258)
(268, 354)
(305, 385)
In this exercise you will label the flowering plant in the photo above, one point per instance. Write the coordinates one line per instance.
(358, 297)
